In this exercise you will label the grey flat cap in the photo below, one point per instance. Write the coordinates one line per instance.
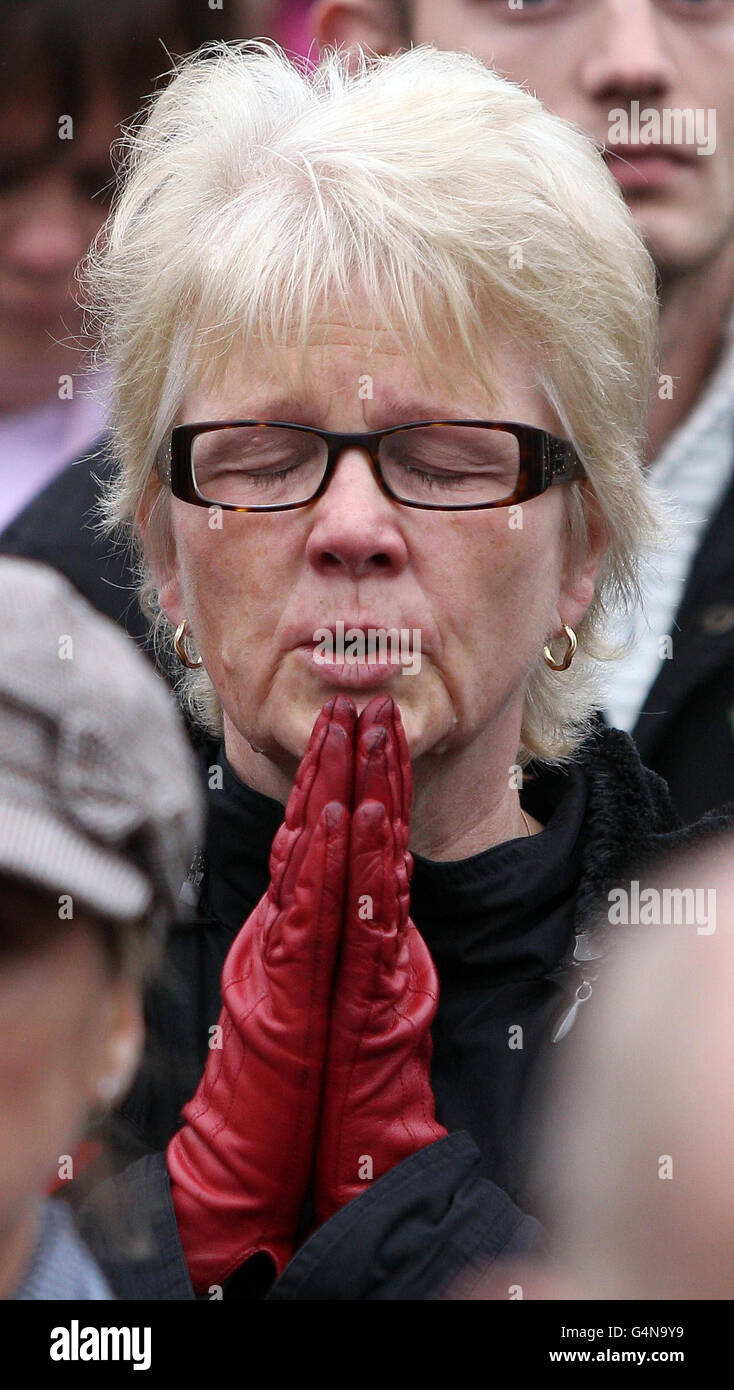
(99, 791)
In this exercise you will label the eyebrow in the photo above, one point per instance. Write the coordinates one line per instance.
(399, 410)
(286, 408)
(392, 409)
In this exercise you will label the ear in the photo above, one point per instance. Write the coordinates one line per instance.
(346, 23)
(577, 584)
(122, 1047)
(171, 599)
(160, 551)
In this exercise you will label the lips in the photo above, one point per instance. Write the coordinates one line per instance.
(646, 168)
(304, 637)
(335, 660)
(357, 675)
(678, 153)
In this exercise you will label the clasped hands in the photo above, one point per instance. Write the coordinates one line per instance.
(322, 1079)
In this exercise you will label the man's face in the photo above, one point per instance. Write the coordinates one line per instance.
(51, 205)
(587, 58)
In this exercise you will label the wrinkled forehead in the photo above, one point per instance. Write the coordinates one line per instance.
(350, 361)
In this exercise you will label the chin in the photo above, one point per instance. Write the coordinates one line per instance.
(295, 699)
(291, 727)
(675, 241)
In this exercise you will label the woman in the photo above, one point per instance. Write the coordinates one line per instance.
(382, 343)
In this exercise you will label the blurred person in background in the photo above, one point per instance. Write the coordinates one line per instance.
(99, 812)
(634, 1172)
(72, 71)
(638, 1198)
(675, 690)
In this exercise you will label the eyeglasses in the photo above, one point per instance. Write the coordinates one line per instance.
(435, 465)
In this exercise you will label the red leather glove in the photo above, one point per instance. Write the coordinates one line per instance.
(241, 1164)
(378, 1106)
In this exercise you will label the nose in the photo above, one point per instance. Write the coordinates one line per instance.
(629, 58)
(355, 526)
(48, 233)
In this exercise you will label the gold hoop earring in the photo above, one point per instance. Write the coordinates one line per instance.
(180, 649)
(569, 654)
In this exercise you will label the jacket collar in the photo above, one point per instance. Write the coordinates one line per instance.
(607, 820)
(620, 813)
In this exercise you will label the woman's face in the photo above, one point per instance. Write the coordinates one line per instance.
(484, 589)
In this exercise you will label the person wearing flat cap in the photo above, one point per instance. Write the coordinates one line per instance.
(381, 335)
(100, 809)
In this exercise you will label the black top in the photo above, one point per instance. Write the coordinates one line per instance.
(515, 931)
(498, 925)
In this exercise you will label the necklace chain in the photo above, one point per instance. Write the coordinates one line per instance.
(525, 819)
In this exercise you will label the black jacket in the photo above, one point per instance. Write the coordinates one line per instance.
(61, 528)
(685, 730)
(514, 932)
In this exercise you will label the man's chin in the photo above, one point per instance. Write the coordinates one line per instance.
(677, 241)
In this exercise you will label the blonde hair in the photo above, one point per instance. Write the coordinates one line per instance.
(447, 197)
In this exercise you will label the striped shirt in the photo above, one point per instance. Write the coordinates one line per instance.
(60, 1267)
